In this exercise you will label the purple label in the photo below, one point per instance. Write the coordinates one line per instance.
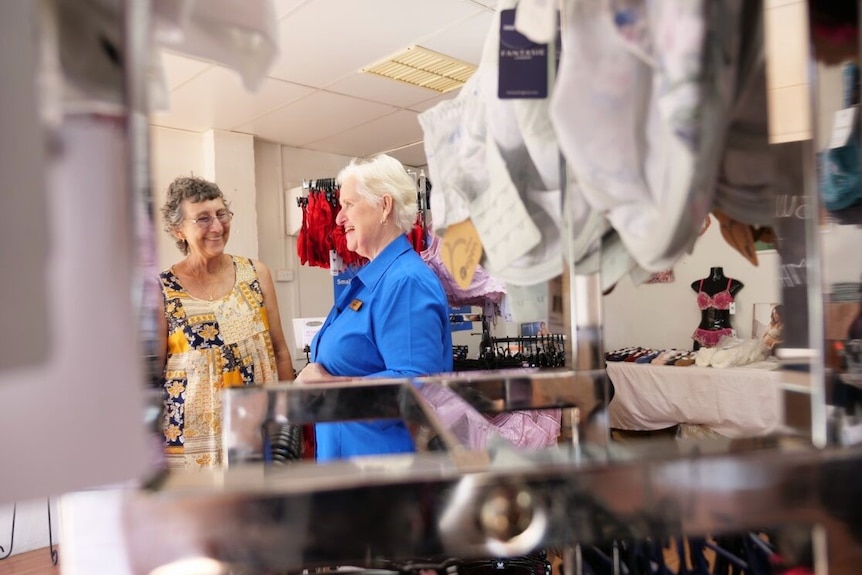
(523, 63)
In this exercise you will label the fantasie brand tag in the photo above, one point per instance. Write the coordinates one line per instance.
(523, 64)
(355, 305)
(462, 250)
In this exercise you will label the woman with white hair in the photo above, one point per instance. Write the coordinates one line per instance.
(393, 319)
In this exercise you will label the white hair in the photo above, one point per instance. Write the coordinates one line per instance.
(384, 175)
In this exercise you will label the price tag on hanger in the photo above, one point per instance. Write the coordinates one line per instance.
(461, 252)
(842, 127)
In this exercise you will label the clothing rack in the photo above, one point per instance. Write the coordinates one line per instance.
(423, 190)
(325, 184)
(328, 186)
(423, 197)
(323, 244)
(543, 351)
(530, 351)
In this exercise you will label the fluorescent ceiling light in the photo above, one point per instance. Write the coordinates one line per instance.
(425, 68)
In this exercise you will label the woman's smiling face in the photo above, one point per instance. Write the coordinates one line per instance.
(362, 220)
(207, 239)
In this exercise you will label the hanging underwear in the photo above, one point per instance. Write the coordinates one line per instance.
(721, 300)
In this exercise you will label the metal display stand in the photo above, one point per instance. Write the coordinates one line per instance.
(389, 512)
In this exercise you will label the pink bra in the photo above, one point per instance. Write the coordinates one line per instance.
(721, 300)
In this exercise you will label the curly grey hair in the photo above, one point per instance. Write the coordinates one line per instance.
(193, 189)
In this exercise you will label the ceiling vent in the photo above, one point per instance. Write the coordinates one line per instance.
(425, 68)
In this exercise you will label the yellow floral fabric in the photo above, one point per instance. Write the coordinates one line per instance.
(212, 345)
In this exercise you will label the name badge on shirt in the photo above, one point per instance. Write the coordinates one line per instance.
(355, 305)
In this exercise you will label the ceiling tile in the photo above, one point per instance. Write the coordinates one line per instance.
(217, 99)
(422, 106)
(392, 131)
(465, 39)
(282, 7)
(413, 155)
(180, 69)
(325, 40)
(323, 44)
(316, 117)
(371, 87)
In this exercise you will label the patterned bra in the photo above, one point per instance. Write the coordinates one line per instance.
(721, 300)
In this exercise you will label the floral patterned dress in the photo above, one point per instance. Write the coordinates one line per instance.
(212, 345)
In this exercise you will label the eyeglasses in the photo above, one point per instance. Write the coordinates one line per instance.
(207, 220)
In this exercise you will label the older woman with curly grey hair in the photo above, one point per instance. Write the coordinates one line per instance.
(220, 323)
(393, 319)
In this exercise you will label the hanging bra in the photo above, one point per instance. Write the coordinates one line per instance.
(721, 300)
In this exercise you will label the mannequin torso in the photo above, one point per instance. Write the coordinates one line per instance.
(715, 295)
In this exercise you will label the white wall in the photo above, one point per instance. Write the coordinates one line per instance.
(229, 161)
(665, 315)
(172, 153)
(224, 157)
(841, 260)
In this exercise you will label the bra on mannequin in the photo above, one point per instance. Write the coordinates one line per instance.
(715, 298)
(718, 287)
(721, 300)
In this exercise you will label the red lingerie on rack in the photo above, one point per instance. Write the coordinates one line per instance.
(319, 235)
(417, 235)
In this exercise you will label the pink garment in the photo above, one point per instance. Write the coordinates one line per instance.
(484, 288)
(535, 429)
(710, 337)
(721, 300)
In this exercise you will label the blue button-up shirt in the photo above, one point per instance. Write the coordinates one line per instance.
(391, 322)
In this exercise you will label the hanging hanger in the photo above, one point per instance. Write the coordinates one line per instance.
(54, 553)
(11, 536)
